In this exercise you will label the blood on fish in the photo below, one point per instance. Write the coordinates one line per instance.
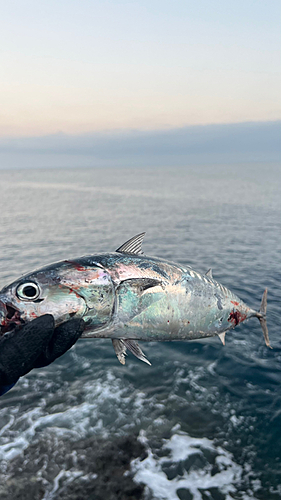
(236, 317)
(77, 266)
(234, 303)
(73, 287)
(72, 290)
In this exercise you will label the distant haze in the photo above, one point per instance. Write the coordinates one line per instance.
(232, 143)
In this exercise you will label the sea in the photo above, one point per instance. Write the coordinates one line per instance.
(207, 417)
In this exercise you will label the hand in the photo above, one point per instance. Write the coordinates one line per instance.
(35, 345)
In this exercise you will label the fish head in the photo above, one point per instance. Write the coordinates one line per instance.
(64, 289)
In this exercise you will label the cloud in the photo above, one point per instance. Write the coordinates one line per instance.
(225, 143)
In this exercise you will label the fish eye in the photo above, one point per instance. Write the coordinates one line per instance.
(28, 291)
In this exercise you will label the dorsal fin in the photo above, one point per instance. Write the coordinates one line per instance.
(133, 245)
(209, 273)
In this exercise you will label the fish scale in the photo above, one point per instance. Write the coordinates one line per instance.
(127, 296)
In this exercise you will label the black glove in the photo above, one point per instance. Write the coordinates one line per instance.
(35, 345)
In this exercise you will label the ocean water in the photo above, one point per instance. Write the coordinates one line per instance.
(208, 416)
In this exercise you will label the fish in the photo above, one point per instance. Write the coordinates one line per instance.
(127, 296)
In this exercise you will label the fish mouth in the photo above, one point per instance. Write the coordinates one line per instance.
(10, 318)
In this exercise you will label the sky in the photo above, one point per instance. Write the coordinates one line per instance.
(98, 67)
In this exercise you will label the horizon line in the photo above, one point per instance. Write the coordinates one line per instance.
(137, 130)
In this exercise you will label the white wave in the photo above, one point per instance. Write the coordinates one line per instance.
(177, 449)
(66, 477)
(107, 406)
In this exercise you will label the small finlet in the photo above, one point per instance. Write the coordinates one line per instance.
(120, 350)
(222, 337)
(135, 349)
(134, 245)
(209, 273)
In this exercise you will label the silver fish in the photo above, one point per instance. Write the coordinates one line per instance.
(126, 296)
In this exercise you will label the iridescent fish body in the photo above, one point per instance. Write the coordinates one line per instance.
(126, 296)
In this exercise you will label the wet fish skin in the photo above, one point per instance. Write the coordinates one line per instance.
(127, 296)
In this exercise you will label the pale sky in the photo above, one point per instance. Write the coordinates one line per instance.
(84, 66)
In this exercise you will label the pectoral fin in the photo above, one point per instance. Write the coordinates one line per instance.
(136, 295)
(121, 346)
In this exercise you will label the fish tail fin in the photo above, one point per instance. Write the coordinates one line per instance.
(261, 315)
(263, 303)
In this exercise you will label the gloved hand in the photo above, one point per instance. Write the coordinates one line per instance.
(35, 345)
